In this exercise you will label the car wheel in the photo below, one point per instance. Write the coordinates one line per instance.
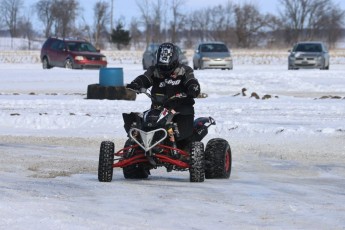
(325, 67)
(201, 65)
(68, 64)
(195, 67)
(45, 64)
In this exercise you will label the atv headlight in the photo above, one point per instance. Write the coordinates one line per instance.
(104, 59)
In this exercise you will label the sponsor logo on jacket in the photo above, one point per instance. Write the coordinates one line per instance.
(169, 82)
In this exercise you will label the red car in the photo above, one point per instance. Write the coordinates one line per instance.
(72, 54)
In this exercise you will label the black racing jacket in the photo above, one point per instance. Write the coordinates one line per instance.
(180, 81)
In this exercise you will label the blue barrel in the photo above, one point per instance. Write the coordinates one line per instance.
(111, 77)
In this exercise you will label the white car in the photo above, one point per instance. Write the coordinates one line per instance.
(212, 55)
(308, 55)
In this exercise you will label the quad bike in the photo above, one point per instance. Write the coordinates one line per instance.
(152, 143)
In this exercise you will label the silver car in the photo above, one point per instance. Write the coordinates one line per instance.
(149, 55)
(309, 55)
(212, 55)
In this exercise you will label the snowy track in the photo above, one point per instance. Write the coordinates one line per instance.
(288, 154)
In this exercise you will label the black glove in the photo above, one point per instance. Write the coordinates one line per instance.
(172, 104)
(133, 86)
(193, 90)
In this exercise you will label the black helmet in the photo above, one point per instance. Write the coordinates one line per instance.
(167, 58)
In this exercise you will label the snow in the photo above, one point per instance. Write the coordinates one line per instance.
(288, 152)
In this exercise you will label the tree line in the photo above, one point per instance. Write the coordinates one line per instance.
(237, 24)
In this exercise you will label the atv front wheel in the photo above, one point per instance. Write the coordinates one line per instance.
(106, 160)
(197, 162)
(218, 159)
(135, 171)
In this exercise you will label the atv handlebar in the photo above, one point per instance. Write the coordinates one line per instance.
(159, 98)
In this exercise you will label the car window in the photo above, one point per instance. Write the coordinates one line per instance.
(71, 46)
(308, 48)
(153, 48)
(87, 47)
(214, 48)
(81, 46)
(57, 45)
(179, 50)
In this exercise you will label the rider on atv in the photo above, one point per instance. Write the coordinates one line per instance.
(169, 77)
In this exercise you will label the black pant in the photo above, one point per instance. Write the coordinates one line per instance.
(185, 127)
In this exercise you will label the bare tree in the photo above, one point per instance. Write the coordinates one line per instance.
(274, 35)
(145, 10)
(26, 29)
(102, 17)
(249, 22)
(152, 15)
(200, 20)
(158, 16)
(328, 24)
(335, 24)
(300, 18)
(45, 15)
(136, 34)
(177, 19)
(10, 12)
(65, 16)
(221, 21)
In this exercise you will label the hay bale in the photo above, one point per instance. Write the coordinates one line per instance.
(96, 91)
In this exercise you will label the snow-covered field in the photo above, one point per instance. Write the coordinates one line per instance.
(288, 151)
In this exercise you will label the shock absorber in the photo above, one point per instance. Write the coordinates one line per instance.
(176, 131)
(173, 141)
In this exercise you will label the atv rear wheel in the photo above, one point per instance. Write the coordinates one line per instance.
(218, 159)
(106, 160)
(197, 162)
(135, 171)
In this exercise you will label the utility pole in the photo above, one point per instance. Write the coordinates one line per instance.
(111, 15)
